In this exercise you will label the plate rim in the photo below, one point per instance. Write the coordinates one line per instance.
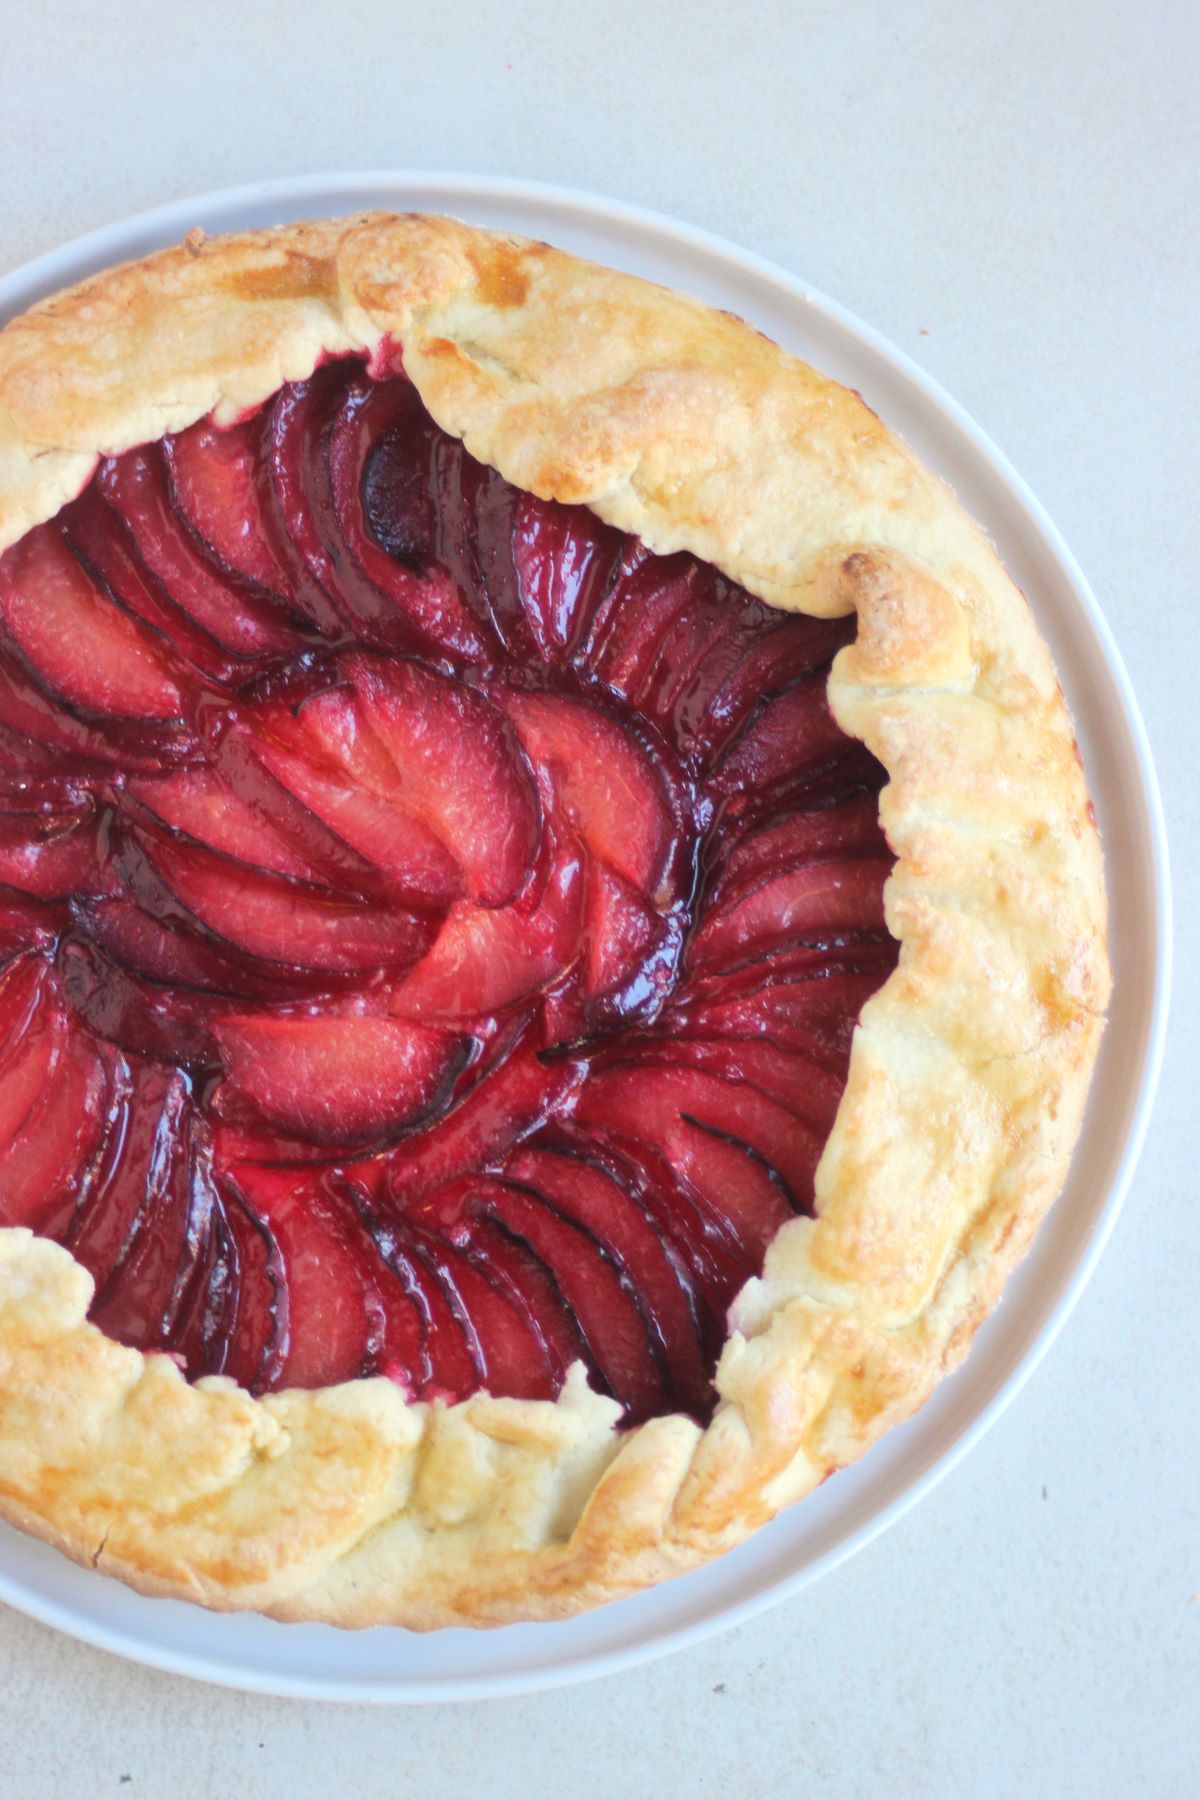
(97, 249)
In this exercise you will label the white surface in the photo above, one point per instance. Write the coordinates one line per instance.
(1013, 180)
(810, 1539)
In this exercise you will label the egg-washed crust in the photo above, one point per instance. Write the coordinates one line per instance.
(970, 1066)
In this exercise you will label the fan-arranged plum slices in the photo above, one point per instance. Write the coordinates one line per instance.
(432, 927)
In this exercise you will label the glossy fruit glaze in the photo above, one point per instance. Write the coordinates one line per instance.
(432, 926)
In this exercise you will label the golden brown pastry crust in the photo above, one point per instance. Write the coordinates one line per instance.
(970, 1066)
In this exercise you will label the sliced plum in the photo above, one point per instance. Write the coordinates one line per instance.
(816, 956)
(244, 622)
(324, 757)
(26, 923)
(198, 803)
(103, 547)
(712, 1265)
(284, 921)
(456, 1360)
(677, 684)
(488, 959)
(819, 898)
(604, 782)
(794, 1077)
(762, 656)
(166, 952)
(293, 448)
(301, 483)
(749, 1159)
(153, 1282)
(92, 745)
(32, 1029)
(505, 1346)
(397, 435)
(146, 1105)
(420, 592)
(509, 1265)
(494, 507)
(333, 1306)
(34, 777)
(401, 1351)
(630, 950)
(581, 1191)
(213, 476)
(616, 1333)
(453, 1366)
(22, 990)
(46, 1160)
(474, 520)
(343, 1082)
(793, 731)
(848, 827)
(647, 596)
(814, 1017)
(191, 1288)
(458, 769)
(565, 560)
(258, 1330)
(518, 1096)
(457, 1215)
(54, 855)
(244, 753)
(202, 1320)
(171, 1024)
(83, 646)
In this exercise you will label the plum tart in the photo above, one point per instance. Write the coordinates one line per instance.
(551, 928)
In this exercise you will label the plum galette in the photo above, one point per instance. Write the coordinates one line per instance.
(551, 927)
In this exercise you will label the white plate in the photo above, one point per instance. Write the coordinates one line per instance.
(388, 1664)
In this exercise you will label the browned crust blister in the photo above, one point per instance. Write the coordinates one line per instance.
(970, 1066)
